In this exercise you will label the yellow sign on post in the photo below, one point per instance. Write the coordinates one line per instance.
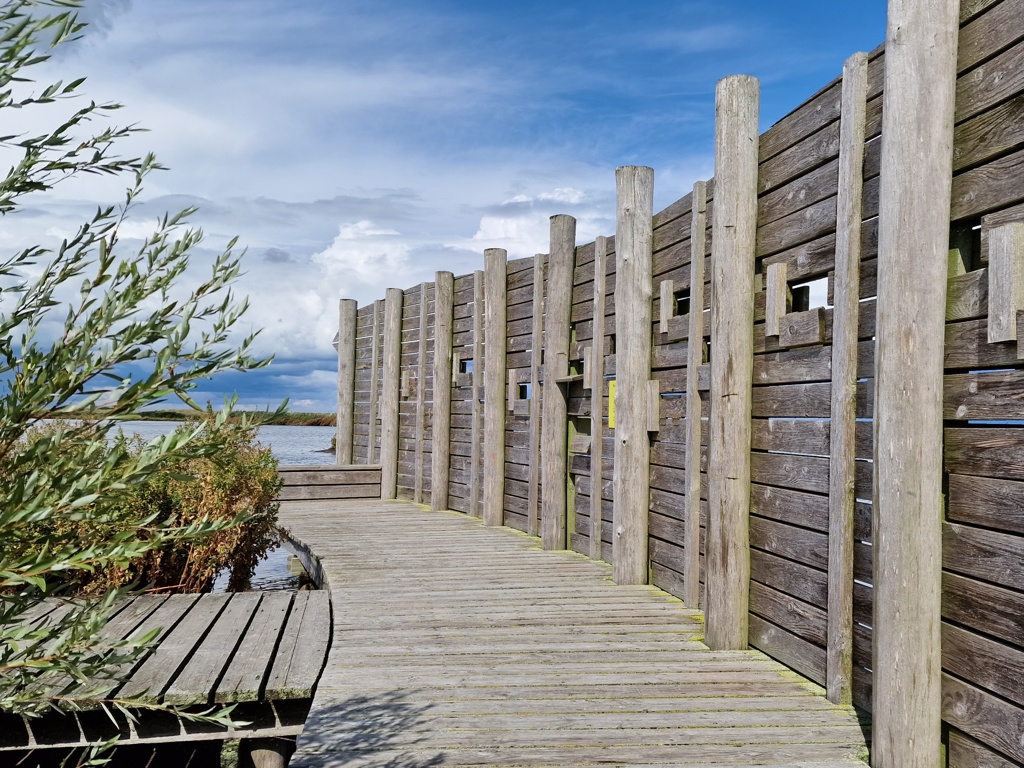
(611, 404)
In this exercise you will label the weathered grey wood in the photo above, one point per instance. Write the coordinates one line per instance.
(633, 261)
(1005, 280)
(558, 310)
(421, 396)
(493, 465)
(243, 677)
(302, 648)
(390, 390)
(346, 380)
(596, 374)
(545, 662)
(441, 421)
(536, 345)
(843, 448)
(265, 752)
(913, 245)
(195, 682)
(732, 318)
(477, 394)
(151, 678)
(667, 305)
(372, 457)
(776, 292)
(694, 362)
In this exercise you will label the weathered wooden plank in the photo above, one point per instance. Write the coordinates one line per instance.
(252, 659)
(983, 554)
(635, 188)
(733, 242)
(987, 718)
(477, 392)
(442, 391)
(986, 452)
(561, 263)
(842, 448)
(302, 647)
(965, 752)
(372, 456)
(175, 647)
(346, 380)
(596, 375)
(494, 380)
(390, 392)
(196, 683)
(537, 345)
(354, 491)
(421, 397)
(915, 188)
(331, 476)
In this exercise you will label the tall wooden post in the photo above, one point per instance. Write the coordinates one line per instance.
(913, 243)
(493, 465)
(477, 377)
(554, 458)
(441, 429)
(634, 242)
(597, 401)
(389, 395)
(372, 457)
(536, 345)
(732, 341)
(346, 380)
(694, 360)
(843, 450)
(421, 396)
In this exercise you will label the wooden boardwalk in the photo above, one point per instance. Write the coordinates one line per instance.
(457, 644)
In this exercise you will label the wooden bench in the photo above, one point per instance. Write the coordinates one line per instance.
(262, 651)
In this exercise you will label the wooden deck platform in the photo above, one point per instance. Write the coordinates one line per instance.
(456, 644)
(260, 650)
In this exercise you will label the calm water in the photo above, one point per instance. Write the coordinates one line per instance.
(291, 445)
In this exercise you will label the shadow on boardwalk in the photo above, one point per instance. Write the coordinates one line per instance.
(353, 731)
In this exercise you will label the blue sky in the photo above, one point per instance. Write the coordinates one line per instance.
(354, 146)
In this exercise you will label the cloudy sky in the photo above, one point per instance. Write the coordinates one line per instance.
(354, 145)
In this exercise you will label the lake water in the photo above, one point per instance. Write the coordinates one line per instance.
(290, 445)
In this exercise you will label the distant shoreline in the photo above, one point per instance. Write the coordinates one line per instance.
(284, 419)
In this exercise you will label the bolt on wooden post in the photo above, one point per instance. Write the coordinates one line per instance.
(441, 429)
(634, 242)
(555, 406)
(346, 381)
(913, 245)
(495, 280)
(390, 390)
(733, 233)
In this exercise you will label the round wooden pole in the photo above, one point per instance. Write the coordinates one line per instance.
(441, 426)
(390, 390)
(346, 381)
(555, 406)
(913, 247)
(495, 269)
(733, 231)
(634, 241)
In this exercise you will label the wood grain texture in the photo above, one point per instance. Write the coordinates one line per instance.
(633, 261)
(390, 392)
(557, 311)
(732, 317)
(495, 323)
(441, 420)
(372, 452)
(476, 382)
(1005, 280)
(694, 406)
(776, 292)
(536, 345)
(508, 655)
(346, 380)
(596, 374)
(916, 163)
(843, 438)
(421, 396)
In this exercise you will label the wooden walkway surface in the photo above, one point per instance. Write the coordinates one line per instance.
(456, 644)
